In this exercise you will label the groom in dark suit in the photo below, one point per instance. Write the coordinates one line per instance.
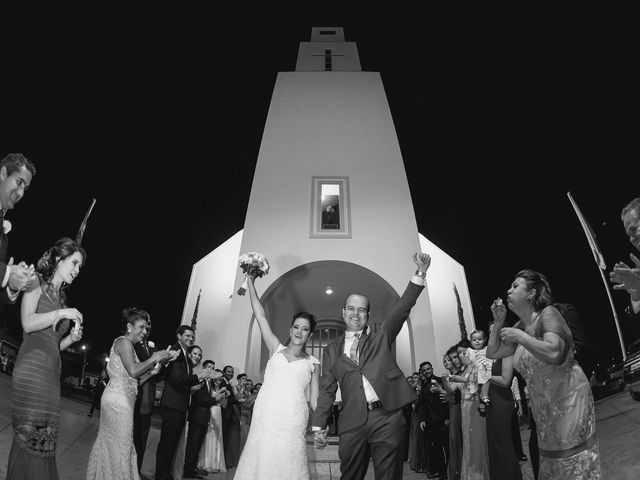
(178, 380)
(373, 387)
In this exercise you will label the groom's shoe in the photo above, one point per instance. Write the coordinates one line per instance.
(202, 472)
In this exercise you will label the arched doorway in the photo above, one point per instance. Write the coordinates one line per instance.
(305, 288)
(327, 330)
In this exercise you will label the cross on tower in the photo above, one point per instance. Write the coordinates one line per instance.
(328, 56)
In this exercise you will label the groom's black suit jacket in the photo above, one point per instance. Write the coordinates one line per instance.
(376, 363)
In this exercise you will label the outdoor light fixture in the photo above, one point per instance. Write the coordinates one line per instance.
(328, 290)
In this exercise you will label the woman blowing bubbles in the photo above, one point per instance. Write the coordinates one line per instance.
(36, 378)
(562, 404)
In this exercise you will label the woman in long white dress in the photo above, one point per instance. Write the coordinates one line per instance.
(211, 457)
(276, 447)
(113, 456)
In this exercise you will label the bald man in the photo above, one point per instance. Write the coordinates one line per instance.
(372, 386)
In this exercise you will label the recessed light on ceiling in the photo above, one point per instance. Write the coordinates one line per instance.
(328, 290)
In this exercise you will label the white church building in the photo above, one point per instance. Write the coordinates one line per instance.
(331, 209)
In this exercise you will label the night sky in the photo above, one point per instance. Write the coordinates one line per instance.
(159, 114)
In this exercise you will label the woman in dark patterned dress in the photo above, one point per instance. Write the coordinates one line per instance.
(47, 323)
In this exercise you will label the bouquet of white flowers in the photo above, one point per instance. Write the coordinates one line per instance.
(254, 264)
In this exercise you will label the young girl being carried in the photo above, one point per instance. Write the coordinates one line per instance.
(478, 355)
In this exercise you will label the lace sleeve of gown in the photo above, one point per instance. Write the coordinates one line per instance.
(279, 349)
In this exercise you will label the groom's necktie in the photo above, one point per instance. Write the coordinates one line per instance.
(353, 352)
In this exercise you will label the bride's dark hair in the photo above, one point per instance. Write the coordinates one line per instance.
(48, 263)
(310, 317)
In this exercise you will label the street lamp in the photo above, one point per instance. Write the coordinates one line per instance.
(84, 363)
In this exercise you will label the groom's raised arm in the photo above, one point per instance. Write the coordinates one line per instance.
(405, 303)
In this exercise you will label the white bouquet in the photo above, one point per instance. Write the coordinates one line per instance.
(254, 264)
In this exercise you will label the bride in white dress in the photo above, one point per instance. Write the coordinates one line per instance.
(276, 446)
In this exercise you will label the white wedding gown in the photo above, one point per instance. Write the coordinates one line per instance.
(276, 447)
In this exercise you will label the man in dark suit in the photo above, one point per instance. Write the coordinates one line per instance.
(199, 414)
(433, 414)
(178, 380)
(373, 387)
(145, 399)
(16, 173)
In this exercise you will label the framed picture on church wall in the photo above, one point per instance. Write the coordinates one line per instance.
(330, 207)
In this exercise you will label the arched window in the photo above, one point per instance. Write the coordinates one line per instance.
(326, 332)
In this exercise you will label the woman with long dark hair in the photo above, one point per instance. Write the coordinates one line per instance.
(47, 325)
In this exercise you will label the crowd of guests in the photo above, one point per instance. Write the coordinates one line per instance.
(219, 418)
(204, 434)
(462, 425)
(218, 408)
(468, 407)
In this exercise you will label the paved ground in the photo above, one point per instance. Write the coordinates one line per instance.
(618, 425)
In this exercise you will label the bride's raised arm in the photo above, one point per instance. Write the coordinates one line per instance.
(270, 340)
